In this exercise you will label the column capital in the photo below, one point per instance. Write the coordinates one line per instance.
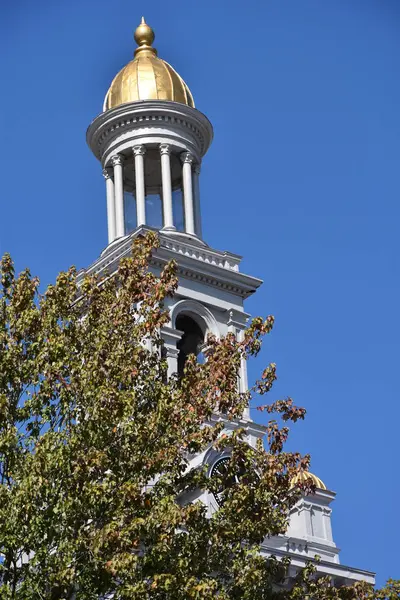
(170, 337)
(117, 159)
(139, 150)
(171, 352)
(165, 149)
(106, 173)
(187, 157)
(197, 169)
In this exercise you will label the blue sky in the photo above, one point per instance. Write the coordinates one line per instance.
(302, 180)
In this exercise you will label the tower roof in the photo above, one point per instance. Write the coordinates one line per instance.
(147, 77)
(304, 475)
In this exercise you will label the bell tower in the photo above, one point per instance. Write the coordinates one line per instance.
(150, 141)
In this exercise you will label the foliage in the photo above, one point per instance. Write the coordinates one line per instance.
(96, 498)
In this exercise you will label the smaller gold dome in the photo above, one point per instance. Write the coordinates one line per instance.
(303, 476)
(147, 77)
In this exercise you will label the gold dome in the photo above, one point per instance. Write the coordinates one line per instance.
(147, 77)
(304, 475)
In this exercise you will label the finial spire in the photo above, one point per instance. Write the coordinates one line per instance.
(144, 37)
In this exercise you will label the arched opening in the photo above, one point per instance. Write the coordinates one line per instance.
(191, 341)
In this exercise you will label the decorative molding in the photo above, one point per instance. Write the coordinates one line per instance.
(139, 150)
(170, 352)
(296, 546)
(156, 120)
(135, 120)
(328, 566)
(187, 157)
(170, 336)
(237, 319)
(117, 159)
(206, 256)
(212, 281)
(205, 266)
(199, 313)
(165, 149)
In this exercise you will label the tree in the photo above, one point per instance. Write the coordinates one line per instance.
(95, 443)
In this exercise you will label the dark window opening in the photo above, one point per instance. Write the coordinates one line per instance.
(178, 210)
(191, 341)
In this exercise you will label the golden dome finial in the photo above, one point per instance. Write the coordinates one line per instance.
(303, 477)
(147, 77)
(144, 37)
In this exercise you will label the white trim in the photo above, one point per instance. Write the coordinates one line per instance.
(149, 121)
(199, 313)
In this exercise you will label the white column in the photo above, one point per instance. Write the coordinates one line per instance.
(244, 386)
(117, 163)
(243, 369)
(196, 194)
(165, 152)
(139, 152)
(171, 338)
(110, 205)
(236, 327)
(187, 160)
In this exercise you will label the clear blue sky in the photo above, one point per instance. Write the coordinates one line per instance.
(302, 180)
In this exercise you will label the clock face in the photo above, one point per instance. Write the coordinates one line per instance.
(219, 469)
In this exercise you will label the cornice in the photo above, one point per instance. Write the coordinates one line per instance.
(325, 496)
(322, 566)
(150, 117)
(194, 262)
(248, 425)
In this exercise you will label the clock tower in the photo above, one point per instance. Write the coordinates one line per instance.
(150, 141)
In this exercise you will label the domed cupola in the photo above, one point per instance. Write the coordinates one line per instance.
(305, 476)
(150, 140)
(147, 77)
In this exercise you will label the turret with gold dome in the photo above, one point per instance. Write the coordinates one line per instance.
(150, 140)
(305, 477)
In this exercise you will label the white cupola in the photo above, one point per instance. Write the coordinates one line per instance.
(150, 141)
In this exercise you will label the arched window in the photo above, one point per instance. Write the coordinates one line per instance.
(191, 340)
